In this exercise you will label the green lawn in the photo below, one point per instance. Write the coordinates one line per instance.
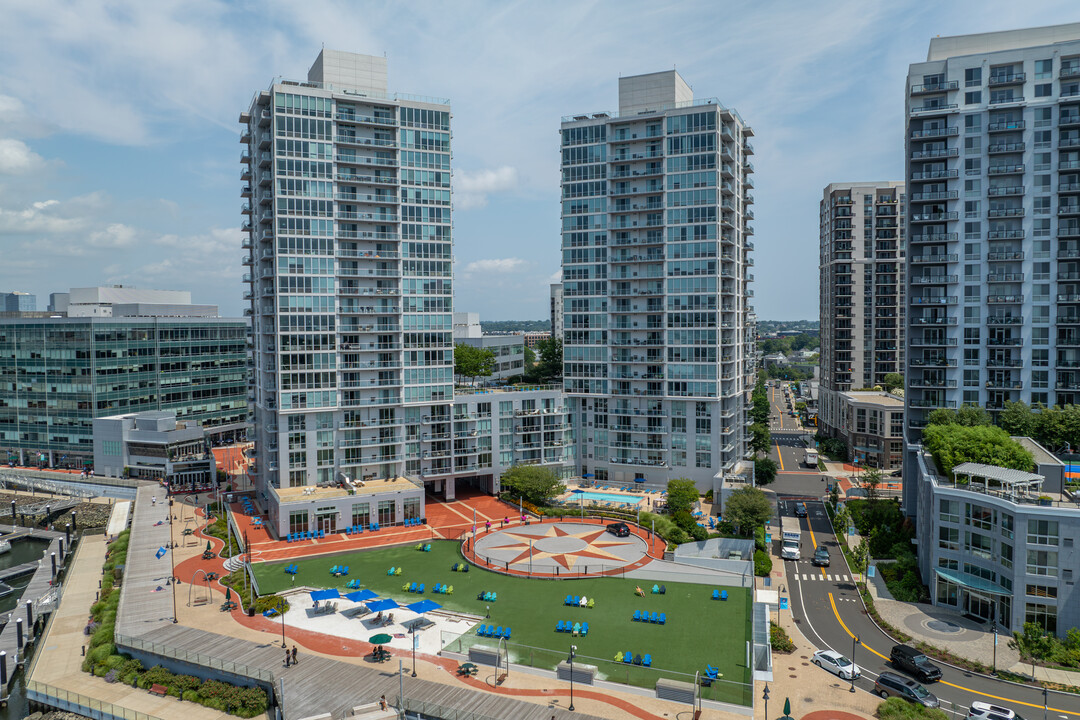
(699, 630)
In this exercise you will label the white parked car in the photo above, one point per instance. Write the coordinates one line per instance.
(837, 664)
(985, 711)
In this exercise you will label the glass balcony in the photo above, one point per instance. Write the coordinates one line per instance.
(1006, 79)
(935, 87)
(1005, 126)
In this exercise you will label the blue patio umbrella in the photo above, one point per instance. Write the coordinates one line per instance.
(380, 605)
(587, 475)
(639, 479)
(361, 595)
(330, 594)
(423, 606)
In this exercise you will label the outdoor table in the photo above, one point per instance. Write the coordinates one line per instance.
(468, 669)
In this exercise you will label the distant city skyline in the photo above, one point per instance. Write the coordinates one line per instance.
(119, 146)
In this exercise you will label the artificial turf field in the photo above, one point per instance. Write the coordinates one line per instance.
(699, 630)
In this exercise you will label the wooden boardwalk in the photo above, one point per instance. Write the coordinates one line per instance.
(19, 570)
(316, 685)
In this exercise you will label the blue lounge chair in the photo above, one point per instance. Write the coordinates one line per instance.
(715, 594)
(420, 589)
(584, 629)
(577, 600)
(628, 657)
(637, 659)
(322, 534)
(494, 597)
(559, 626)
(436, 588)
(412, 588)
(653, 618)
(637, 615)
(647, 660)
(663, 618)
(498, 632)
(663, 590)
(333, 570)
(568, 600)
(480, 630)
(506, 633)
(723, 595)
(427, 548)
(345, 571)
(656, 589)
(390, 571)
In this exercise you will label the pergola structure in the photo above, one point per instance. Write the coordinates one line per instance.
(1003, 482)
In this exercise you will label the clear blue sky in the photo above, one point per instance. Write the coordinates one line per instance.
(119, 141)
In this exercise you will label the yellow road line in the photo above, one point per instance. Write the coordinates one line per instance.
(836, 612)
(814, 541)
(779, 456)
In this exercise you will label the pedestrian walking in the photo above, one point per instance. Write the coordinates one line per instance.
(382, 702)
(293, 654)
(487, 526)
(286, 658)
(153, 499)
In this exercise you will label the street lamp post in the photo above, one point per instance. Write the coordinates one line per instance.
(573, 650)
(995, 638)
(415, 639)
(281, 609)
(1044, 703)
(765, 697)
(854, 642)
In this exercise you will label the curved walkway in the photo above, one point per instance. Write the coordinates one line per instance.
(338, 647)
(473, 549)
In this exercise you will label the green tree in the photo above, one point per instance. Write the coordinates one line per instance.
(536, 484)
(682, 495)
(746, 508)
(473, 362)
(530, 356)
(870, 480)
(893, 381)
(764, 470)
(941, 416)
(1049, 427)
(551, 358)
(954, 444)
(973, 416)
(760, 438)
(1017, 419)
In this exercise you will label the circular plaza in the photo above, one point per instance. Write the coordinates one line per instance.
(560, 548)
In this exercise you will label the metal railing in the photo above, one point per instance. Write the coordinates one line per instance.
(81, 704)
(205, 661)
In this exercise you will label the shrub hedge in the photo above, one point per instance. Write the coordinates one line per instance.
(102, 659)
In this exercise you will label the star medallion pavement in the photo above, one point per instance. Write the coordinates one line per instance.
(565, 548)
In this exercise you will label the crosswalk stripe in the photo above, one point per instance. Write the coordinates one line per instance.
(830, 577)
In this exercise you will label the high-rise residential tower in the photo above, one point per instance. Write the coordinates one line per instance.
(993, 179)
(656, 257)
(862, 291)
(348, 198)
(993, 157)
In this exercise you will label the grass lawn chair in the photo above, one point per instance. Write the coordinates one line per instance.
(723, 594)
(584, 629)
(397, 571)
(637, 615)
(591, 603)
(656, 589)
(715, 594)
(559, 626)
(647, 660)
(618, 657)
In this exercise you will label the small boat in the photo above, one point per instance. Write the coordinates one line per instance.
(5, 546)
(5, 589)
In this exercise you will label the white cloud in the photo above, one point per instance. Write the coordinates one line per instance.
(555, 277)
(114, 236)
(471, 189)
(40, 217)
(17, 158)
(494, 265)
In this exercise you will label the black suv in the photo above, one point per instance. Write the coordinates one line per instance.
(619, 529)
(892, 685)
(821, 557)
(800, 510)
(914, 663)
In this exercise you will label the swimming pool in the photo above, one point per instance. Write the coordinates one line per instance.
(599, 497)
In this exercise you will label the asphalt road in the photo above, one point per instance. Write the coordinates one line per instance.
(827, 609)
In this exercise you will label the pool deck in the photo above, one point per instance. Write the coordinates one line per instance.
(642, 500)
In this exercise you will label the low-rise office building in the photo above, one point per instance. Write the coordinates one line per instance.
(154, 446)
(58, 374)
(999, 544)
(870, 423)
(509, 348)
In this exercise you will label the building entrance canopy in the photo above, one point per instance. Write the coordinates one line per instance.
(972, 582)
